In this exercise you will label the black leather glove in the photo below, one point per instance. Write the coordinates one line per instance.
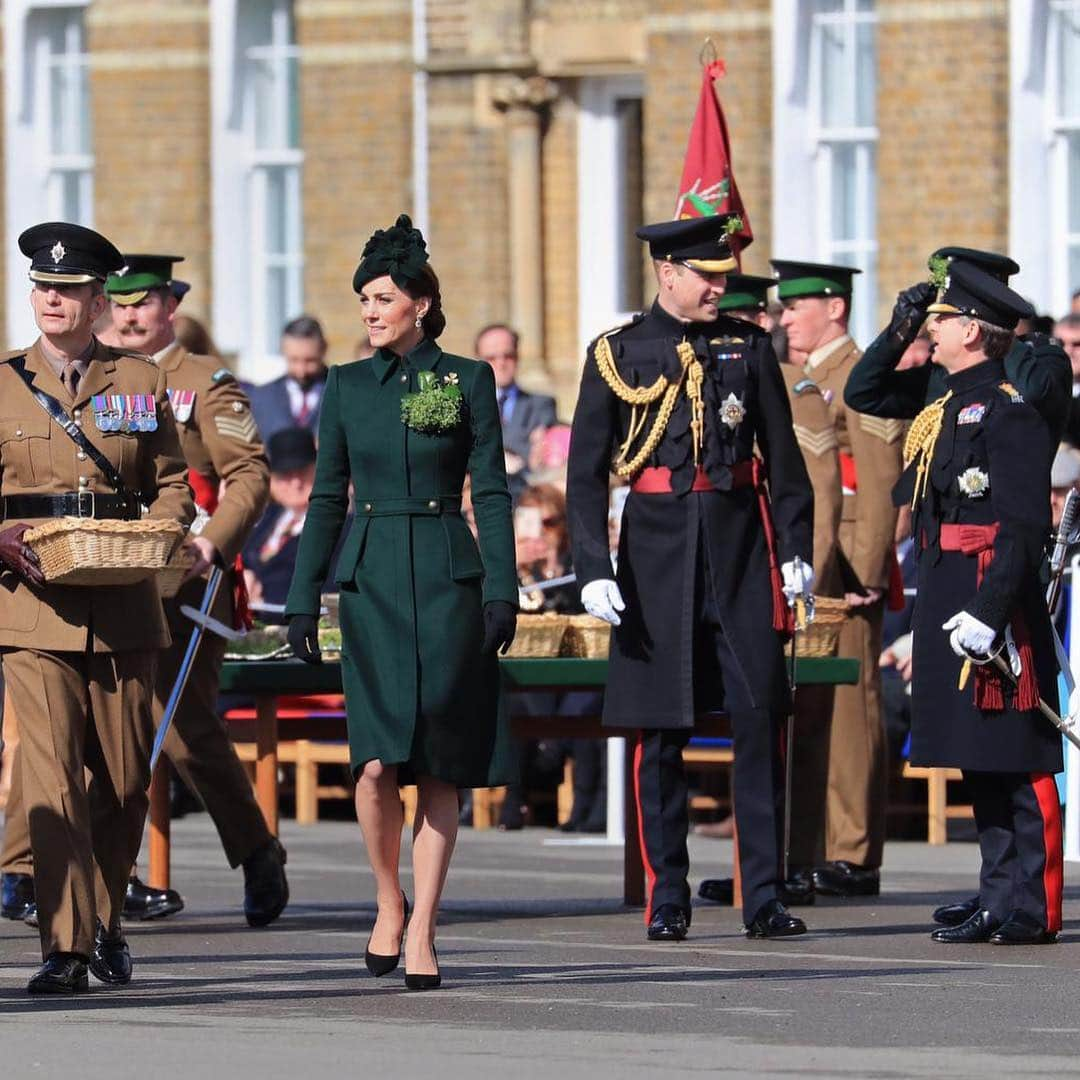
(304, 638)
(910, 311)
(19, 556)
(500, 626)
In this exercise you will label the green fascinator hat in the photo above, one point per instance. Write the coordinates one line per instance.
(399, 251)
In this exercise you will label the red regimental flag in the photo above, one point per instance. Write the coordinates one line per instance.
(708, 182)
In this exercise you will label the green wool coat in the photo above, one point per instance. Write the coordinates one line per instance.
(418, 691)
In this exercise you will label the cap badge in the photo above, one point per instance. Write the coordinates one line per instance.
(732, 411)
(58, 252)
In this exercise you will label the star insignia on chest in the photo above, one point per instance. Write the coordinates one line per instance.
(58, 252)
(732, 411)
(973, 482)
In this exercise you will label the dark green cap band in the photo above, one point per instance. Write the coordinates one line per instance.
(740, 301)
(792, 288)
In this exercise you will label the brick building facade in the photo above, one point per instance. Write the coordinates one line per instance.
(265, 139)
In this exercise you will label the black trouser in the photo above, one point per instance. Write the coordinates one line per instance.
(1018, 817)
(758, 781)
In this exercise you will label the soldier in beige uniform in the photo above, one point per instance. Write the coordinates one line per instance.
(817, 301)
(224, 452)
(79, 661)
(747, 297)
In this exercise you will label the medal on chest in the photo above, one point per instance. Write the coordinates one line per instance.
(124, 412)
(973, 482)
(971, 414)
(732, 411)
(182, 402)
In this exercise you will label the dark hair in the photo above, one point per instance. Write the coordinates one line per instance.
(427, 286)
(193, 336)
(304, 326)
(1041, 324)
(515, 337)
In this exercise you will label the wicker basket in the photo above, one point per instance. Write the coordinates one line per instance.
(171, 576)
(587, 637)
(821, 636)
(539, 635)
(84, 551)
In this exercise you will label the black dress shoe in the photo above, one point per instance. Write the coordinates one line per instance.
(846, 879)
(142, 902)
(798, 889)
(973, 931)
(110, 962)
(266, 890)
(62, 973)
(380, 964)
(774, 920)
(956, 913)
(424, 982)
(720, 890)
(30, 918)
(16, 895)
(1021, 929)
(668, 923)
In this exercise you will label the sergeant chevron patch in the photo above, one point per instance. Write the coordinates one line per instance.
(242, 428)
(888, 431)
(816, 442)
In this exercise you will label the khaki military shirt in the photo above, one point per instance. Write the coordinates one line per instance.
(38, 458)
(874, 444)
(816, 436)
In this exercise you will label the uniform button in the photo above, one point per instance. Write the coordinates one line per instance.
(81, 455)
(433, 504)
(18, 433)
(404, 378)
(76, 413)
(367, 507)
(83, 481)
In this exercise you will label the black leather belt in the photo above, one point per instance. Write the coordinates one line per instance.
(83, 504)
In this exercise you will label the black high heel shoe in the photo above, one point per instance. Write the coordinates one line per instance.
(379, 964)
(425, 982)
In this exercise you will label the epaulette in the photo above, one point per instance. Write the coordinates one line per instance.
(13, 355)
(1013, 394)
(619, 327)
(222, 375)
(806, 386)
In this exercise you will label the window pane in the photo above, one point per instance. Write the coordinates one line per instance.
(1074, 268)
(1074, 183)
(632, 173)
(865, 74)
(277, 309)
(842, 173)
(276, 212)
(1068, 63)
(835, 89)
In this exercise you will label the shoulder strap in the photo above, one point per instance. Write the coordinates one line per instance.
(71, 429)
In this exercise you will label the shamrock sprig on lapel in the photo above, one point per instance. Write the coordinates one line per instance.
(435, 407)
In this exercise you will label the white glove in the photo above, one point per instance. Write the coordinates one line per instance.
(797, 584)
(603, 600)
(969, 637)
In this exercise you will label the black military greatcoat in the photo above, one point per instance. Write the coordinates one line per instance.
(672, 542)
(991, 465)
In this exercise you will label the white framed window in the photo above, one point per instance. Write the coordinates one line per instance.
(1064, 97)
(825, 141)
(257, 179)
(610, 203)
(48, 138)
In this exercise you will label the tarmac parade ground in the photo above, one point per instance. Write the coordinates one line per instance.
(546, 974)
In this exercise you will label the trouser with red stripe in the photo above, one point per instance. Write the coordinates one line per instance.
(1018, 817)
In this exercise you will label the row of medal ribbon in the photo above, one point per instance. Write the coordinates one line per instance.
(124, 412)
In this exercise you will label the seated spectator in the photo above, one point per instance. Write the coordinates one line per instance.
(270, 553)
(294, 399)
(549, 450)
(522, 413)
(542, 539)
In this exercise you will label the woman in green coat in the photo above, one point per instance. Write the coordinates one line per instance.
(423, 612)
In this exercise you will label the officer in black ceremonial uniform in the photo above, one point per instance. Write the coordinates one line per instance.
(978, 474)
(674, 402)
(1036, 364)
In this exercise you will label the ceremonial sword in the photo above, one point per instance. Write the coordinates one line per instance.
(803, 611)
(203, 621)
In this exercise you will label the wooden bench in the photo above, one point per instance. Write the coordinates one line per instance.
(938, 810)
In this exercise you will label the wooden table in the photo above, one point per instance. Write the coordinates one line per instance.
(266, 681)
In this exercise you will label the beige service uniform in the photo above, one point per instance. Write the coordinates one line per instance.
(857, 749)
(79, 661)
(219, 441)
(816, 436)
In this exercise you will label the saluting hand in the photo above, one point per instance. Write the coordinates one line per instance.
(19, 556)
